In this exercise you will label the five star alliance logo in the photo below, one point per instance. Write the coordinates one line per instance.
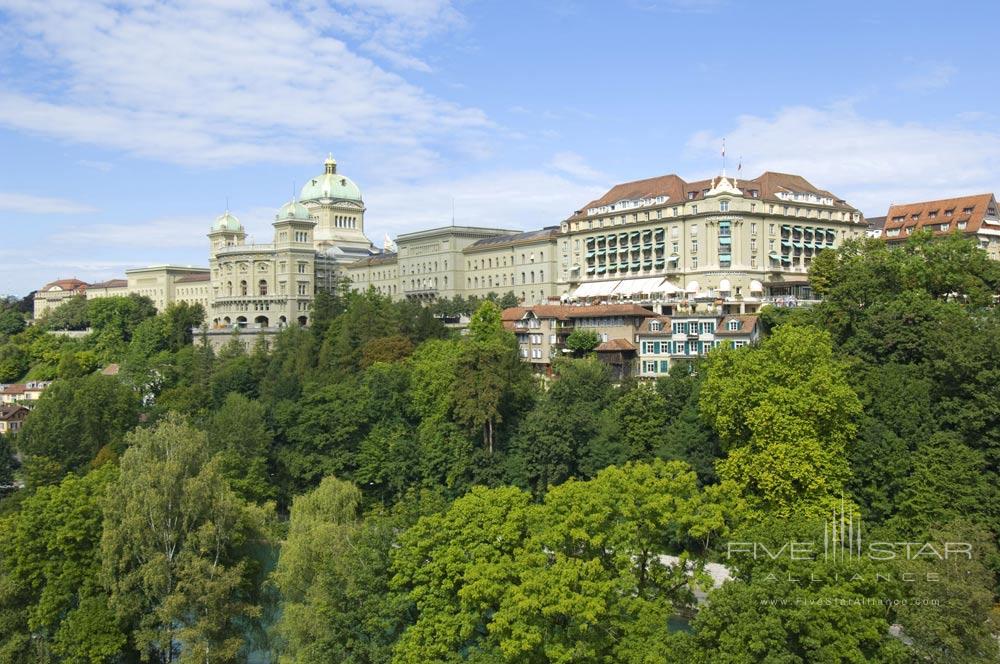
(842, 534)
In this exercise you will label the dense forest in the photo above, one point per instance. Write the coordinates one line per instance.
(377, 488)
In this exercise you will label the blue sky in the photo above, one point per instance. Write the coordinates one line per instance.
(126, 125)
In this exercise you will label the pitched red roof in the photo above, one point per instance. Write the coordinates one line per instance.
(111, 283)
(8, 413)
(665, 330)
(767, 185)
(615, 345)
(66, 285)
(747, 324)
(974, 211)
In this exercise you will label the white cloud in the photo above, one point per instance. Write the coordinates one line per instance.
(519, 200)
(26, 204)
(573, 164)
(928, 77)
(680, 6)
(223, 81)
(867, 161)
(102, 166)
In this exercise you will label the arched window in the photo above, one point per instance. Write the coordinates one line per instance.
(243, 288)
(262, 287)
(229, 288)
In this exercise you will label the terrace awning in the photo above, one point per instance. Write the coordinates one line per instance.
(646, 286)
(595, 289)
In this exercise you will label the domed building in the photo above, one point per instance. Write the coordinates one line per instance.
(335, 204)
(262, 288)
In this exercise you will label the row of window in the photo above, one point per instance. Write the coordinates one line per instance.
(683, 347)
(501, 280)
(675, 211)
(490, 263)
(243, 289)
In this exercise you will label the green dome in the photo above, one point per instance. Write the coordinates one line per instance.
(227, 222)
(293, 210)
(330, 185)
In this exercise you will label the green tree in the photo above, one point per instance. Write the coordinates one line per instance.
(180, 320)
(322, 433)
(333, 575)
(785, 413)
(175, 548)
(72, 314)
(11, 323)
(494, 383)
(592, 583)
(582, 342)
(785, 607)
(74, 419)
(946, 482)
(50, 571)
(14, 362)
(388, 461)
(554, 440)
(508, 300)
(953, 618)
(456, 568)
(77, 364)
(238, 433)
(114, 320)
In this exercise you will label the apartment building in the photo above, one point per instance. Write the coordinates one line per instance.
(974, 216)
(12, 419)
(663, 341)
(541, 332)
(20, 393)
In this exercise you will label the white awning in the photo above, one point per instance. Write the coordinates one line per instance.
(595, 289)
(692, 287)
(635, 286)
(669, 288)
(725, 286)
(756, 286)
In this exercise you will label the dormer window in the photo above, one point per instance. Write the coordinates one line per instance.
(949, 212)
(692, 195)
(655, 326)
(734, 326)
